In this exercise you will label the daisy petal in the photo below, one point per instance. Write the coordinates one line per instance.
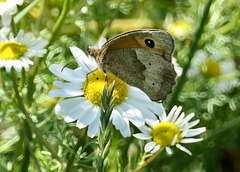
(117, 120)
(126, 130)
(69, 89)
(193, 123)
(182, 148)
(85, 119)
(195, 132)
(174, 140)
(169, 150)
(66, 73)
(191, 140)
(142, 136)
(94, 126)
(176, 114)
(83, 60)
(171, 113)
(152, 123)
(145, 129)
(6, 19)
(186, 119)
(155, 149)
(132, 113)
(67, 106)
(180, 118)
(149, 146)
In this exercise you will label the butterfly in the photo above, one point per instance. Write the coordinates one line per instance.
(141, 58)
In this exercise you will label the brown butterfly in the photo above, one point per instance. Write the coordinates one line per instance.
(141, 58)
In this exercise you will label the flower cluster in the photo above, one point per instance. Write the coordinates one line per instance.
(84, 97)
(83, 91)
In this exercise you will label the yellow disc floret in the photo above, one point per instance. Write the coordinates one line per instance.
(93, 87)
(210, 69)
(12, 50)
(164, 133)
(180, 28)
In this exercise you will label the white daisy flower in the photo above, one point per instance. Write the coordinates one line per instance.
(83, 91)
(170, 131)
(15, 52)
(218, 68)
(7, 9)
(180, 29)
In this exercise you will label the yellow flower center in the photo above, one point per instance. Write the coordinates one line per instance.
(12, 50)
(3, 0)
(180, 28)
(210, 69)
(164, 133)
(93, 87)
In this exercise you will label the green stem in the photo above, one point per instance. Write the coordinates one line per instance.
(80, 142)
(57, 27)
(192, 49)
(15, 87)
(29, 149)
(25, 11)
(26, 160)
(53, 37)
(27, 137)
(105, 31)
(23, 79)
(13, 27)
(29, 120)
(4, 86)
(40, 17)
(149, 160)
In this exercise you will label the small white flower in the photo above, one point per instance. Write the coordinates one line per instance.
(180, 29)
(7, 9)
(222, 69)
(83, 95)
(15, 52)
(170, 131)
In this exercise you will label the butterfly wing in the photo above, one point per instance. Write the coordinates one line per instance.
(143, 69)
(164, 43)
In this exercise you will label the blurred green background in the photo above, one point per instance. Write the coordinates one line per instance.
(211, 90)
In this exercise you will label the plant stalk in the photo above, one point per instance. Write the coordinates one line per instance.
(192, 49)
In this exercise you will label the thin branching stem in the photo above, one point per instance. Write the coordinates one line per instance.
(149, 160)
(29, 120)
(27, 137)
(29, 147)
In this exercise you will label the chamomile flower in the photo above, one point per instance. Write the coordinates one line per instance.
(83, 91)
(15, 52)
(7, 9)
(180, 29)
(217, 67)
(170, 131)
